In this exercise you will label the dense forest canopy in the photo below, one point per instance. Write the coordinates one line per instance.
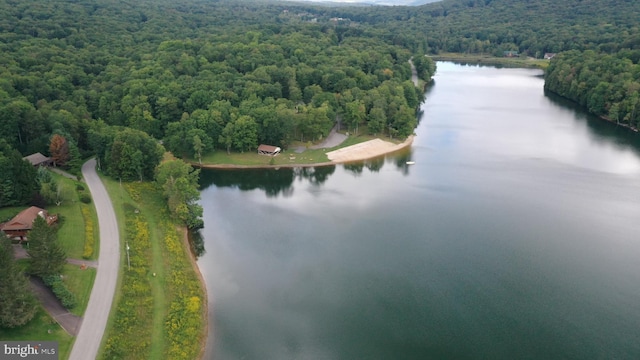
(201, 75)
(607, 85)
(198, 74)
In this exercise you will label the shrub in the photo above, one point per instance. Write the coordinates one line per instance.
(85, 198)
(79, 187)
(60, 290)
(89, 240)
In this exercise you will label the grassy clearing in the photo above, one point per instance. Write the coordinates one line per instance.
(287, 157)
(41, 328)
(80, 283)
(71, 233)
(521, 62)
(143, 323)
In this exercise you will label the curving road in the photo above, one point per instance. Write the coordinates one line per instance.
(92, 329)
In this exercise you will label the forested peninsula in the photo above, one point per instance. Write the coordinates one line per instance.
(143, 85)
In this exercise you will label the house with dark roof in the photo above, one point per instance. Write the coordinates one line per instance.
(21, 224)
(38, 159)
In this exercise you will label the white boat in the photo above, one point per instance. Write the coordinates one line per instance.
(410, 162)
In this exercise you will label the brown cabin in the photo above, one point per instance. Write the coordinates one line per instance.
(268, 150)
(38, 159)
(21, 224)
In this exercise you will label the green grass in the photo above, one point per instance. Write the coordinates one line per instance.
(287, 157)
(80, 283)
(151, 205)
(158, 260)
(71, 226)
(41, 328)
(525, 62)
(7, 213)
(119, 197)
(121, 200)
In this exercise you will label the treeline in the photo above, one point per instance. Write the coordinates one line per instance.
(607, 85)
(532, 28)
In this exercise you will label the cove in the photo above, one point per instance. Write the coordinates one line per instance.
(514, 236)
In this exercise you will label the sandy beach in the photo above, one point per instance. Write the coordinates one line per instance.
(366, 150)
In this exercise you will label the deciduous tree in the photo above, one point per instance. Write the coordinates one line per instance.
(59, 149)
(179, 182)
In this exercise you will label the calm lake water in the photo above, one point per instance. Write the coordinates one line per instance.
(514, 236)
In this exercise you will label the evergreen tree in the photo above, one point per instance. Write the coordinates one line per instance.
(17, 303)
(47, 256)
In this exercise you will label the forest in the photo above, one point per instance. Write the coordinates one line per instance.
(127, 81)
(607, 85)
(111, 78)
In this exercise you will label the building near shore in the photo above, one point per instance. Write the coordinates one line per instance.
(268, 150)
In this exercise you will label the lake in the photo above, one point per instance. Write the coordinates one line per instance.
(514, 236)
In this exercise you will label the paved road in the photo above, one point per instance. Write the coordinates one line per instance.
(414, 74)
(95, 317)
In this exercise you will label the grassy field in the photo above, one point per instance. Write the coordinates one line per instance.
(287, 157)
(79, 282)
(71, 233)
(525, 62)
(41, 328)
(141, 325)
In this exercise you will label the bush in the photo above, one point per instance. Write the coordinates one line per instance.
(79, 187)
(66, 297)
(85, 198)
(89, 240)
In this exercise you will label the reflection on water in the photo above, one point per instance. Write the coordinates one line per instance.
(275, 182)
(601, 131)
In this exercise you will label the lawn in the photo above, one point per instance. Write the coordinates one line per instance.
(41, 328)
(71, 232)
(7, 213)
(287, 157)
(80, 283)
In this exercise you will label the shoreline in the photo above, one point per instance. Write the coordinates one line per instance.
(205, 309)
(355, 153)
(484, 59)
